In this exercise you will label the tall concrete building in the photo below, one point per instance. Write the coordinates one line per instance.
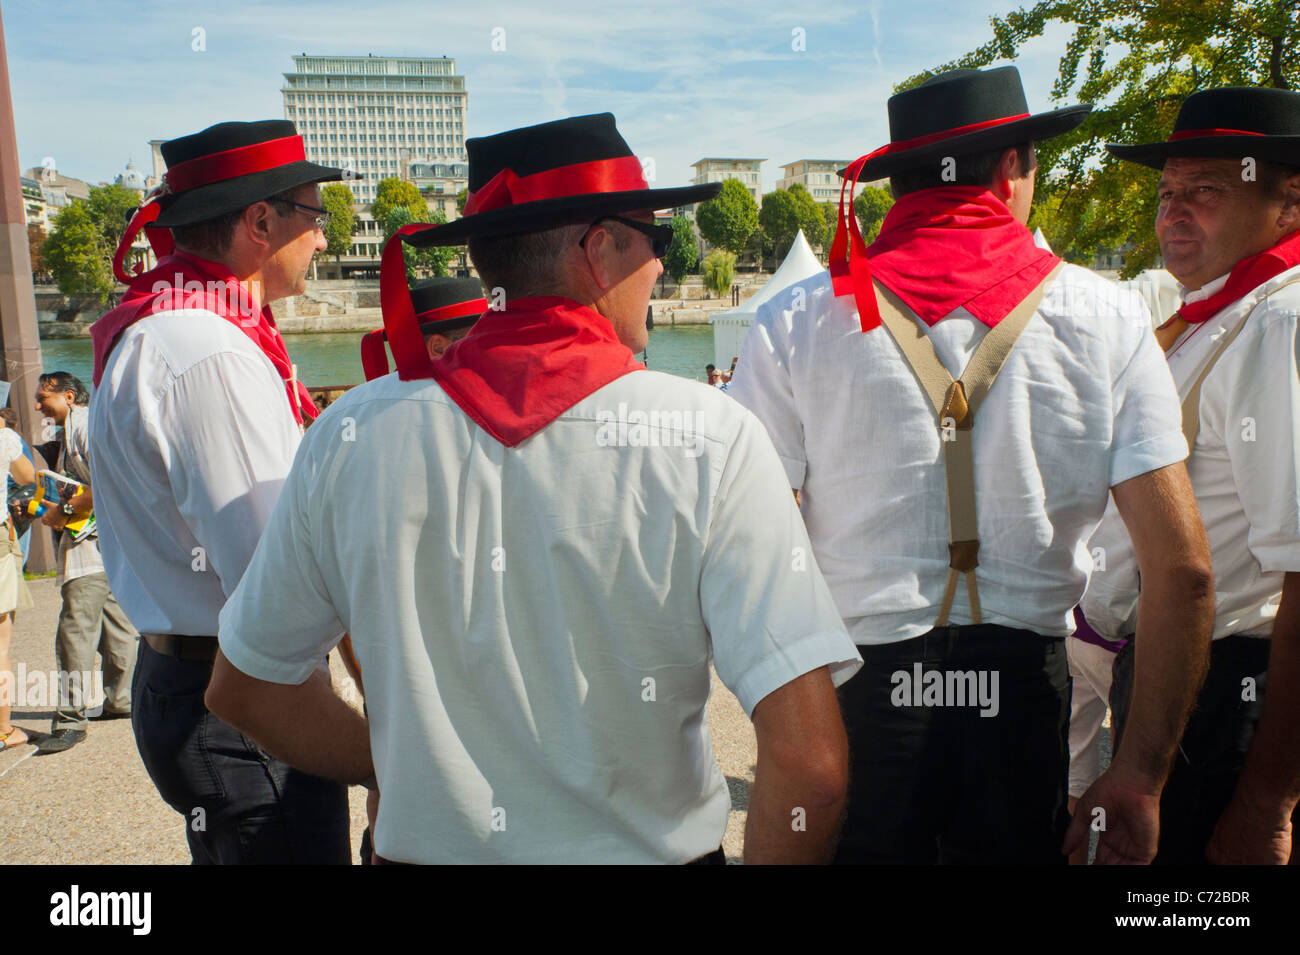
(377, 114)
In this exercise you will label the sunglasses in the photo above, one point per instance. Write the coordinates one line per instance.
(660, 236)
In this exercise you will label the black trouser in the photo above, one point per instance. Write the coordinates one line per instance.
(943, 783)
(240, 805)
(1214, 745)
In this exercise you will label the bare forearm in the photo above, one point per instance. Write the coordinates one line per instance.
(1270, 779)
(1175, 619)
(308, 726)
(790, 822)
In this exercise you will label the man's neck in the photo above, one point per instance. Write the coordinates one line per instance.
(249, 279)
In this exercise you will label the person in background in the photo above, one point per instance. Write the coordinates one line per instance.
(14, 595)
(445, 308)
(10, 418)
(91, 619)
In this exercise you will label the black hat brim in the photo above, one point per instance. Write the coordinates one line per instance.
(1030, 129)
(1278, 149)
(216, 199)
(564, 210)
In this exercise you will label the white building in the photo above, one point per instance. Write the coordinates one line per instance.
(377, 115)
(748, 171)
(821, 177)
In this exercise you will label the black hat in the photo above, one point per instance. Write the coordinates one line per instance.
(962, 112)
(568, 171)
(232, 165)
(441, 305)
(446, 304)
(222, 169)
(1228, 123)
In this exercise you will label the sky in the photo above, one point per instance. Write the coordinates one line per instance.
(93, 82)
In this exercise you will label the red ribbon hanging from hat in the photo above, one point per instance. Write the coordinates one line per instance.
(621, 174)
(850, 272)
(374, 359)
(201, 171)
(409, 352)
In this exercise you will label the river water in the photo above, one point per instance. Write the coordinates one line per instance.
(335, 358)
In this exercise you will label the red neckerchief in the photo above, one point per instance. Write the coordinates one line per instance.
(1246, 276)
(216, 290)
(521, 368)
(957, 247)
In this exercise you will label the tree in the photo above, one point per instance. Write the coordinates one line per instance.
(462, 197)
(431, 260)
(810, 216)
(36, 244)
(111, 208)
(719, 270)
(392, 192)
(727, 220)
(337, 200)
(1138, 62)
(683, 253)
(779, 218)
(870, 207)
(78, 257)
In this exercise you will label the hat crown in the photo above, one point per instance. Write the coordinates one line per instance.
(224, 136)
(535, 149)
(955, 99)
(443, 291)
(1252, 109)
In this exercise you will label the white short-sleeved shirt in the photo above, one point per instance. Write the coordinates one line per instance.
(535, 624)
(1243, 469)
(191, 437)
(82, 558)
(1083, 402)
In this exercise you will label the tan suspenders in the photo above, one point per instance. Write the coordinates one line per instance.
(955, 402)
(1192, 403)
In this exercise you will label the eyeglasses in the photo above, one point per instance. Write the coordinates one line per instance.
(321, 216)
(660, 236)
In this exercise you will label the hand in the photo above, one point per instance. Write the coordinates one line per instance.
(1248, 834)
(53, 517)
(1129, 823)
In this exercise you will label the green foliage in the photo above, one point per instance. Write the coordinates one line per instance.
(78, 255)
(393, 192)
(830, 217)
(420, 263)
(719, 270)
(785, 212)
(1137, 62)
(683, 254)
(870, 207)
(728, 220)
(111, 207)
(337, 200)
(462, 197)
(779, 218)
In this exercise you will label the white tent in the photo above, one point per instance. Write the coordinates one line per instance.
(730, 327)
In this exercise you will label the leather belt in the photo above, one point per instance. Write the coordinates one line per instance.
(183, 647)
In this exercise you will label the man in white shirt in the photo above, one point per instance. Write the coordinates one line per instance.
(91, 619)
(958, 721)
(565, 541)
(195, 421)
(1229, 231)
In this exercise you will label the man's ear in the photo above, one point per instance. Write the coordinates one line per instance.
(256, 222)
(601, 259)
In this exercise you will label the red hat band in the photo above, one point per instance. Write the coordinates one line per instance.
(621, 174)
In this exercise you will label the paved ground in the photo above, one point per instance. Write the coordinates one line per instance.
(95, 804)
